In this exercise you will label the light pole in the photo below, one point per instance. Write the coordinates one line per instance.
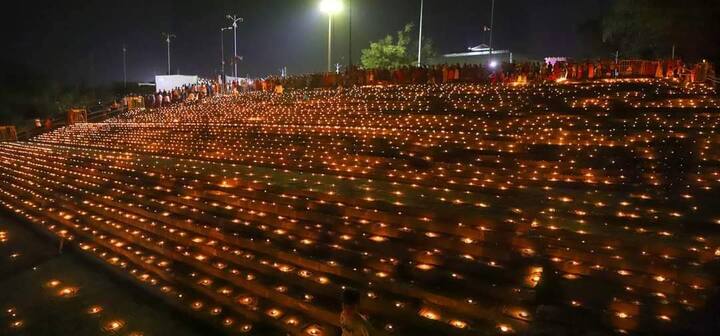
(422, 9)
(235, 19)
(222, 49)
(167, 37)
(330, 7)
(124, 66)
(350, 58)
(492, 26)
(673, 52)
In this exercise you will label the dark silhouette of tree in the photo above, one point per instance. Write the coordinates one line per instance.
(26, 94)
(650, 28)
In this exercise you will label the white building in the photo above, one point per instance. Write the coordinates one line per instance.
(480, 54)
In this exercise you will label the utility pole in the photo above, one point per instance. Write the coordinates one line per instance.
(235, 19)
(492, 26)
(222, 52)
(350, 60)
(330, 24)
(673, 52)
(168, 36)
(330, 7)
(422, 9)
(222, 49)
(124, 66)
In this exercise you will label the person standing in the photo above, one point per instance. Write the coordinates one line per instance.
(351, 321)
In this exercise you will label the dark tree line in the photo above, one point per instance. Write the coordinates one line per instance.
(650, 29)
(26, 94)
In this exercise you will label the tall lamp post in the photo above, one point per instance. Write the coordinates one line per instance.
(330, 7)
(492, 26)
(350, 58)
(222, 49)
(167, 37)
(422, 9)
(235, 20)
(124, 66)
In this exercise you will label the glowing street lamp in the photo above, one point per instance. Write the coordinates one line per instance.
(330, 7)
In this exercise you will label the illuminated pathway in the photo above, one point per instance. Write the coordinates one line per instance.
(455, 209)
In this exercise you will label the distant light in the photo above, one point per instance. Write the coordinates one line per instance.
(331, 6)
(493, 64)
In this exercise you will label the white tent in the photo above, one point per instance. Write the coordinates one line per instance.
(167, 83)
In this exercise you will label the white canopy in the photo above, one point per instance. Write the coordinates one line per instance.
(167, 83)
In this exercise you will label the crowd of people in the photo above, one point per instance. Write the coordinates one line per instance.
(519, 72)
(474, 73)
(185, 93)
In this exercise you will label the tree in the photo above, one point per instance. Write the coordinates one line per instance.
(27, 95)
(390, 52)
(590, 39)
(650, 28)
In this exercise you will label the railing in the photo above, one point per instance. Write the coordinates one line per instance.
(104, 113)
(28, 129)
(713, 80)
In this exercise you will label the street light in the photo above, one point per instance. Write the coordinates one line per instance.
(492, 26)
(492, 30)
(330, 7)
(350, 46)
(235, 19)
(124, 49)
(422, 9)
(167, 37)
(222, 49)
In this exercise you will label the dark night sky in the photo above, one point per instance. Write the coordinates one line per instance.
(82, 40)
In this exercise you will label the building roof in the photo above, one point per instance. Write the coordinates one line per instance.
(484, 52)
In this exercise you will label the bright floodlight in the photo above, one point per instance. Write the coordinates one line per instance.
(493, 64)
(331, 6)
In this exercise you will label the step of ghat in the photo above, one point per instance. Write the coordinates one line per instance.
(159, 217)
(221, 206)
(259, 207)
(216, 204)
(442, 218)
(588, 177)
(317, 156)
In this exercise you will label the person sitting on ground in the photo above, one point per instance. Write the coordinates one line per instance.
(351, 321)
